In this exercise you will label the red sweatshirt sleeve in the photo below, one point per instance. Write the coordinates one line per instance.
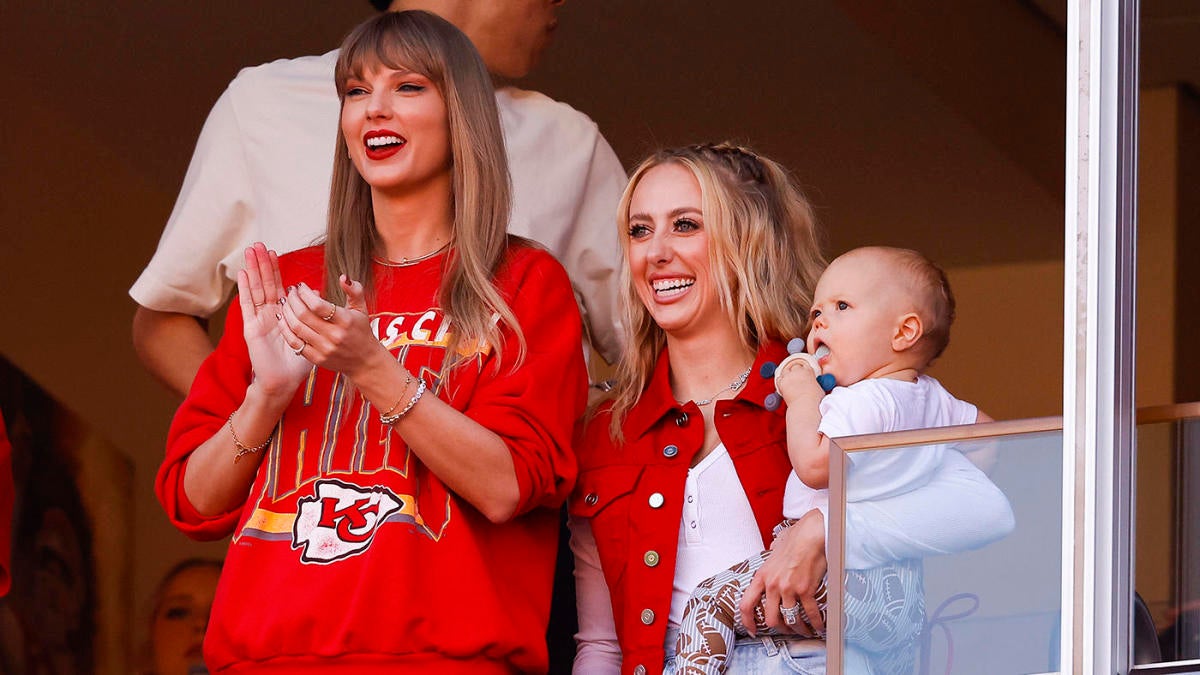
(534, 406)
(218, 390)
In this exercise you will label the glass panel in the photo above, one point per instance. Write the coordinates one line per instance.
(945, 572)
(1167, 623)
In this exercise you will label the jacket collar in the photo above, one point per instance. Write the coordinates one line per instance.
(658, 401)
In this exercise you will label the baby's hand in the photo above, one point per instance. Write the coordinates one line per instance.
(795, 388)
(796, 379)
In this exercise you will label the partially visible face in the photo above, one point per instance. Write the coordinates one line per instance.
(397, 130)
(668, 253)
(512, 34)
(856, 311)
(177, 633)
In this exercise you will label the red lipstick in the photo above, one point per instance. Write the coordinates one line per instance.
(387, 143)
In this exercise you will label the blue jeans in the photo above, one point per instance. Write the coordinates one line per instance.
(765, 656)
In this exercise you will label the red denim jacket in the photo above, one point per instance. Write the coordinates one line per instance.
(633, 493)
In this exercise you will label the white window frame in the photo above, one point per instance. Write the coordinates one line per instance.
(1098, 368)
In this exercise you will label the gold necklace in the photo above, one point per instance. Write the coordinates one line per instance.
(738, 383)
(409, 262)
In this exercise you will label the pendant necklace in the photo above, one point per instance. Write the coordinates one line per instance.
(738, 383)
(409, 262)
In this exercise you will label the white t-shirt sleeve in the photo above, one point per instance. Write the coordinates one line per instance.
(959, 509)
(592, 254)
(212, 215)
(598, 649)
(567, 183)
(859, 409)
(871, 407)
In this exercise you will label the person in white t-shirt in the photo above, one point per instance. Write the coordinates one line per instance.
(261, 172)
(879, 317)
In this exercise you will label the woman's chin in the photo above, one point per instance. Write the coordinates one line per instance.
(674, 312)
(672, 322)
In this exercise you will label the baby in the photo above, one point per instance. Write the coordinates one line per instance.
(879, 317)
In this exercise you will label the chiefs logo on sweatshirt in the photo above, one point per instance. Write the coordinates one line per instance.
(340, 519)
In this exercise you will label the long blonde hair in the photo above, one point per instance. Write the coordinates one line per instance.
(431, 46)
(763, 252)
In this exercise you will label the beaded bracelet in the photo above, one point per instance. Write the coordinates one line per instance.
(242, 448)
(389, 420)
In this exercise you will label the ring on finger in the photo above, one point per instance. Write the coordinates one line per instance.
(329, 316)
(790, 614)
(300, 349)
(259, 304)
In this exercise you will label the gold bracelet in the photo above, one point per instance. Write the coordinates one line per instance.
(242, 448)
(389, 420)
(407, 381)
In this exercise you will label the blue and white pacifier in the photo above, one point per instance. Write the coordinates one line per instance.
(796, 351)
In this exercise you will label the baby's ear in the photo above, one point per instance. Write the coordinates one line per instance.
(908, 332)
